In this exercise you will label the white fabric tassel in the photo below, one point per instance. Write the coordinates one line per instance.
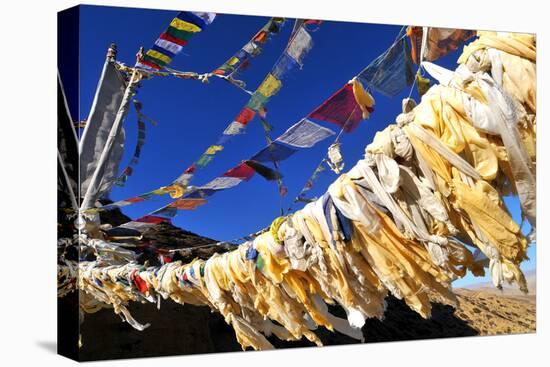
(335, 158)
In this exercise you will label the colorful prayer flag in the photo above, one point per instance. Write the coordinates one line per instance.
(422, 84)
(170, 42)
(251, 49)
(121, 180)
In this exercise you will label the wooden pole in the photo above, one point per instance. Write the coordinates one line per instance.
(95, 181)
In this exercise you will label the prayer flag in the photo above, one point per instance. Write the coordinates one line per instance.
(300, 45)
(340, 109)
(305, 134)
(171, 41)
(242, 171)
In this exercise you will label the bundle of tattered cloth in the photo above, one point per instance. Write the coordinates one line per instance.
(408, 219)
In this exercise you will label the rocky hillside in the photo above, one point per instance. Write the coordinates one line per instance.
(166, 236)
(492, 311)
(491, 314)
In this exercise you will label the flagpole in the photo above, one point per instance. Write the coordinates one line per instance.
(95, 181)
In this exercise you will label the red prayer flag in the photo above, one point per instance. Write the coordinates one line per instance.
(191, 169)
(177, 41)
(153, 219)
(150, 64)
(137, 199)
(340, 109)
(245, 116)
(260, 37)
(141, 285)
(242, 171)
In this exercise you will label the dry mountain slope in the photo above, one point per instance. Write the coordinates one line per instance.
(492, 311)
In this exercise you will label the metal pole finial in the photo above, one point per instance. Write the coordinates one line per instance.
(111, 52)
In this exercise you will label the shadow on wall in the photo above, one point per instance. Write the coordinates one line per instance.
(180, 330)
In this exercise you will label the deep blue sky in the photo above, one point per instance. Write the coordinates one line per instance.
(191, 115)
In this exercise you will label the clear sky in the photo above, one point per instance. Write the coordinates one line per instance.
(192, 115)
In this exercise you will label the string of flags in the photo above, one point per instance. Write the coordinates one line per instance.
(387, 80)
(301, 197)
(173, 39)
(298, 46)
(346, 107)
(141, 118)
(241, 59)
(388, 74)
(302, 135)
(262, 111)
(267, 128)
(237, 63)
(300, 43)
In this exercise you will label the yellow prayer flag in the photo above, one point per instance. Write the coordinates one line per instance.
(158, 55)
(213, 149)
(233, 60)
(184, 26)
(270, 86)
